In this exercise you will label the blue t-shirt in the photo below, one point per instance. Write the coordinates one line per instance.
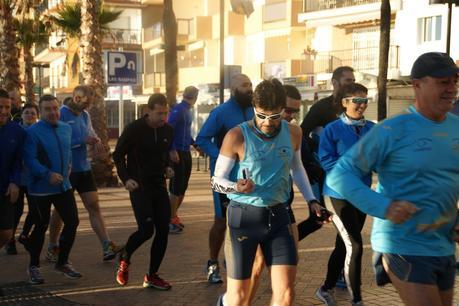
(269, 163)
(416, 160)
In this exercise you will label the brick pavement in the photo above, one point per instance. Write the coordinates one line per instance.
(183, 264)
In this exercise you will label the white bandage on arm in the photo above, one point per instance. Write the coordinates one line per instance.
(220, 181)
(301, 178)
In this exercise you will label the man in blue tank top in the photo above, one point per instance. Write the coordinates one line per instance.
(416, 156)
(267, 151)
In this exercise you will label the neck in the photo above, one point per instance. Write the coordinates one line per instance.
(150, 123)
(430, 114)
(353, 118)
(73, 107)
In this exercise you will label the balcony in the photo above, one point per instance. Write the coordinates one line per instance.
(320, 5)
(123, 37)
(155, 79)
(154, 35)
(362, 60)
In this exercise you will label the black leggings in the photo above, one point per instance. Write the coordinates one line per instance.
(349, 222)
(152, 212)
(19, 209)
(40, 207)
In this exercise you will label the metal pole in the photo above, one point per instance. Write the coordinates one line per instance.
(120, 112)
(448, 34)
(222, 50)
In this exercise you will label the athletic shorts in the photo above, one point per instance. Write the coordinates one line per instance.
(429, 270)
(182, 171)
(83, 181)
(6, 213)
(249, 226)
(221, 202)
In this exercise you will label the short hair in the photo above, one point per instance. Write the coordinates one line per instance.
(83, 91)
(30, 105)
(338, 72)
(67, 100)
(348, 90)
(46, 98)
(292, 92)
(156, 99)
(190, 92)
(269, 95)
(4, 94)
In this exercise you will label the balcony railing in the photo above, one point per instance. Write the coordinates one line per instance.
(123, 36)
(155, 79)
(320, 5)
(362, 59)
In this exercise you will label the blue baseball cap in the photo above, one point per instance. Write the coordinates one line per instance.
(434, 64)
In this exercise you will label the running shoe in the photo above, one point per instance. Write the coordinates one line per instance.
(68, 270)
(213, 272)
(360, 303)
(110, 251)
(122, 272)
(35, 277)
(326, 296)
(174, 229)
(52, 254)
(154, 281)
(10, 247)
(177, 221)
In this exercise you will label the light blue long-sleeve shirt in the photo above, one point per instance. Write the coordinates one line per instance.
(417, 160)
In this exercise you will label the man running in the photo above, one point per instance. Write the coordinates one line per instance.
(82, 180)
(141, 158)
(416, 157)
(47, 156)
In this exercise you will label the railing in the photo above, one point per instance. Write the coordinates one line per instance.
(153, 32)
(320, 5)
(155, 79)
(362, 59)
(123, 36)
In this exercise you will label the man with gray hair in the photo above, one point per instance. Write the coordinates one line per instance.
(224, 117)
(180, 119)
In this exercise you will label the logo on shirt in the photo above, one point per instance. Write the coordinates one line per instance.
(423, 144)
(283, 151)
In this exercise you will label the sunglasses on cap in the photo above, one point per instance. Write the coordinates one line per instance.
(291, 110)
(267, 117)
(358, 100)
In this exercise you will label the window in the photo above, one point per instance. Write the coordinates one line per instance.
(429, 29)
(275, 12)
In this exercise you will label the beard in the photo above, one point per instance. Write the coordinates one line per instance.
(243, 99)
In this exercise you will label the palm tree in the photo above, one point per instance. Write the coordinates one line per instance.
(170, 51)
(93, 74)
(9, 64)
(384, 42)
(29, 33)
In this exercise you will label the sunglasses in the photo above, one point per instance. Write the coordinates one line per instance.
(267, 117)
(291, 110)
(358, 100)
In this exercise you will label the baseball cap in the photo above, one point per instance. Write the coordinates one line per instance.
(434, 64)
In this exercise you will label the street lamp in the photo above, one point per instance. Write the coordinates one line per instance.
(450, 13)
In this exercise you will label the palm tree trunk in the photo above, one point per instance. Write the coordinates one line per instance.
(170, 51)
(384, 42)
(9, 62)
(28, 73)
(93, 74)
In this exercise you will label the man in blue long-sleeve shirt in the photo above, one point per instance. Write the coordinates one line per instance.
(11, 139)
(236, 110)
(416, 156)
(180, 155)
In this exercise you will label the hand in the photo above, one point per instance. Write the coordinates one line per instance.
(98, 149)
(131, 185)
(12, 192)
(199, 150)
(91, 140)
(169, 173)
(317, 209)
(173, 155)
(400, 211)
(55, 178)
(245, 186)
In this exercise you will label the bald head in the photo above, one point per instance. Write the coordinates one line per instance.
(15, 97)
(240, 81)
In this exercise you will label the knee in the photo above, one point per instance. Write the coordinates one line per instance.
(147, 231)
(284, 297)
(238, 297)
(92, 206)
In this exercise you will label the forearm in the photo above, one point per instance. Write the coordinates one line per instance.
(220, 182)
(300, 177)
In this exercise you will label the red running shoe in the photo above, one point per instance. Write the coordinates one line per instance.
(154, 281)
(122, 273)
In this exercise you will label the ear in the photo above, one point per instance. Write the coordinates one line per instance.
(344, 102)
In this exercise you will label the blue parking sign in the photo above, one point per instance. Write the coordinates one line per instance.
(121, 68)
